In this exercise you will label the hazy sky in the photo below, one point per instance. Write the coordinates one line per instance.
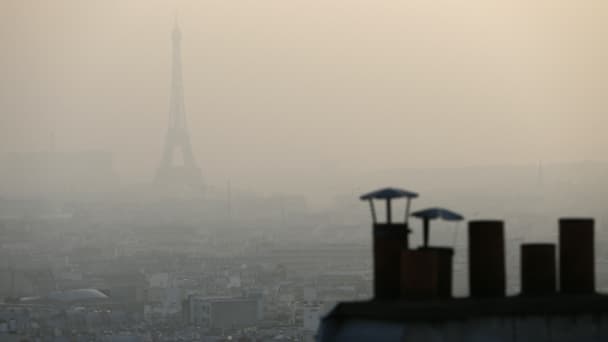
(281, 91)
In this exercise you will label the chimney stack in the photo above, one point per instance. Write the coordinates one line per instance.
(576, 256)
(426, 273)
(486, 259)
(389, 239)
(538, 269)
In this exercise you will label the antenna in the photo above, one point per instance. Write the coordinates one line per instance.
(229, 200)
(540, 174)
(12, 269)
(52, 141)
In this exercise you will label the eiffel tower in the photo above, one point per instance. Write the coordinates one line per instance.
(170, 172)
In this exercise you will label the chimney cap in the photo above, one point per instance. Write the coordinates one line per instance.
(388, 193)
(438, 213)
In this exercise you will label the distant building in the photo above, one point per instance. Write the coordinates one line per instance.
(163, 302)
(69, 297)
(160, 280)
(311, 314)
(222, 312)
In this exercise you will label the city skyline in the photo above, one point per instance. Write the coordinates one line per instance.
(303, 170)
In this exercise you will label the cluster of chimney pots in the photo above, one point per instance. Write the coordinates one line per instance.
(401, 272)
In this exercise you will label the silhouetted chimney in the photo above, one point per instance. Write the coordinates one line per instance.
(389, 239)
(426, 273)
(576, 255)
(538, 269)
(486, 259)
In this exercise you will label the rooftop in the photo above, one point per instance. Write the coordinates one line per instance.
(466, 308)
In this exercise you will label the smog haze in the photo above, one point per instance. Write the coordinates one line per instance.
(293, 96)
